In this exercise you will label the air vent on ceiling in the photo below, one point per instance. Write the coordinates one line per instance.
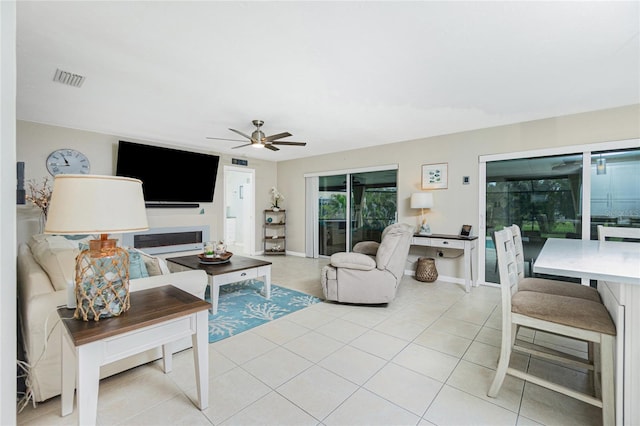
(68, 78)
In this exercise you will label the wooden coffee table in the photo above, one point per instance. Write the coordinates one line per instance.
(237, 269)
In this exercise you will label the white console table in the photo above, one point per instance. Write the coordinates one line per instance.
(616, 266)
(467, 244)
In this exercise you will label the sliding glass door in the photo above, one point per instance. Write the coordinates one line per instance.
(374, 204)
(615, 189)
(332, 214)
(354, 207)
(557, 193)
(540, 195)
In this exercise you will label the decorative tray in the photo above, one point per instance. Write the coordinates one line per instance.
(223, 258)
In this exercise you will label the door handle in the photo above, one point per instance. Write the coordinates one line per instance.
(243, 274)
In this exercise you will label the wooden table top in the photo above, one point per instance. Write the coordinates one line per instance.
(236, 263)
(148, 307)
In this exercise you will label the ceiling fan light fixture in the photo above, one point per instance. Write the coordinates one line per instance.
(259, 140)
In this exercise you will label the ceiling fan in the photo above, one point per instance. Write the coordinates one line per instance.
(259, 140)
(567, 166)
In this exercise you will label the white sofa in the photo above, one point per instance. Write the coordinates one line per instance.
(40, 294)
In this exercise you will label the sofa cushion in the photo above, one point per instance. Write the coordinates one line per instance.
(57, 256)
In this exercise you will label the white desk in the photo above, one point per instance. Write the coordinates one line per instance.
(616, 266)
(467, 244)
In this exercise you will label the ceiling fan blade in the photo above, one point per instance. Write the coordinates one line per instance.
(242, 134)
(225, 139)
(271, 147)
(240, 146)
(289, 143)
(278, 136)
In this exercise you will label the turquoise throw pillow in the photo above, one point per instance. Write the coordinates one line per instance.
(137, 268)
(76, 237)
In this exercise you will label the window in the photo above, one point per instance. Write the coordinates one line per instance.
(351, 206)
(557, 193)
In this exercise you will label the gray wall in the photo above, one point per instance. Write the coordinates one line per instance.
(458, 204)
(453, 207)
(35, 141)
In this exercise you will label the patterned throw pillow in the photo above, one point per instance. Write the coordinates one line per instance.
(155, 265)
(137, 267)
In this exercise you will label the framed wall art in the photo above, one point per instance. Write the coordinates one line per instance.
(435, 176)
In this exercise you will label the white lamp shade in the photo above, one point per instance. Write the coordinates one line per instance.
(96, 204)
(421, 200)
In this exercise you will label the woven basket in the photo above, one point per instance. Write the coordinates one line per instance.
(426, 270)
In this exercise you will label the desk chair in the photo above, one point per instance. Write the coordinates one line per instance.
(558, 314)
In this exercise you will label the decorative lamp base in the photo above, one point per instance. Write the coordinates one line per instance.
(425, 229)
(102, 281)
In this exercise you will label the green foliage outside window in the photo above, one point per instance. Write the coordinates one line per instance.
(545, 206)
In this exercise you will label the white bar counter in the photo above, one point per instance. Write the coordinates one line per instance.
(616, 266)
(595, 260)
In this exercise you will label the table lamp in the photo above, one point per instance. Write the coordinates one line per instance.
(95, 204)
(422, 200)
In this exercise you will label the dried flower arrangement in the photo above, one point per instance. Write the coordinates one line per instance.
(40, 195)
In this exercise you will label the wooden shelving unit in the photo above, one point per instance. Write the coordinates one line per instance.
(275, 232)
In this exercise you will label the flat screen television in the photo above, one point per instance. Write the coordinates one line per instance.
(169, 175)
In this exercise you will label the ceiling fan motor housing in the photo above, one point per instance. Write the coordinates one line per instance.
(258, 136)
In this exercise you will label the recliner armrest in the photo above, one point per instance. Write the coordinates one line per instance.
(366, 247)
(353, 261)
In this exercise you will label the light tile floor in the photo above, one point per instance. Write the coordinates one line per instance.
(427, 358)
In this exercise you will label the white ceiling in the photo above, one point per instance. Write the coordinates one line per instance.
(337, 75)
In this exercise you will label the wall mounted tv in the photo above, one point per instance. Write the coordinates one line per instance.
(170, 177)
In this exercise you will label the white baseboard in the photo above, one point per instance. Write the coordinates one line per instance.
(296, 253)
(287, 253)
(454, 280)
(444, 278)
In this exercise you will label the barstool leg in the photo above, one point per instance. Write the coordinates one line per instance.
(607, 368)
(503, 363)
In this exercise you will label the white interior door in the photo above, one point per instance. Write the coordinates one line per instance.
(239, 211)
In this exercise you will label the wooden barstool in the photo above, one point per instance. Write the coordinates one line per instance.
(572, 317)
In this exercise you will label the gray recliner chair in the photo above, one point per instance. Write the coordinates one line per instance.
(370, 274)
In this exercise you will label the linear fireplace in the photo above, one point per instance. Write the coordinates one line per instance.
(168, 239)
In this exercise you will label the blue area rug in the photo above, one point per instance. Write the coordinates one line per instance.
(242, 306)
